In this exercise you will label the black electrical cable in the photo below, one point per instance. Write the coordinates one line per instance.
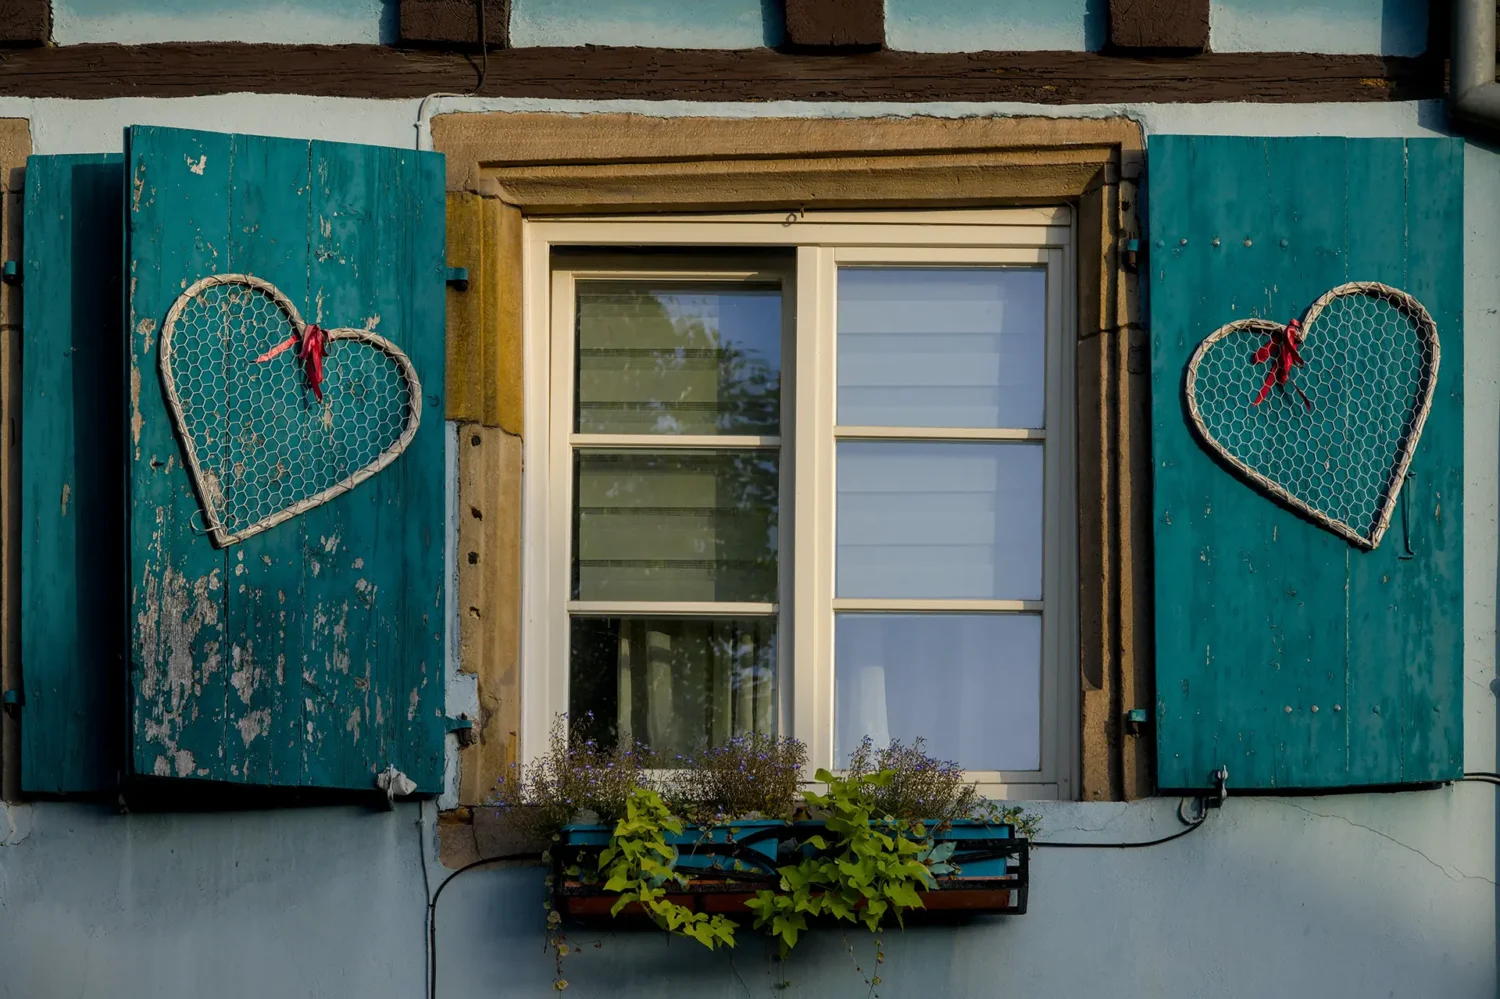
(432, 911)
(484, 47)
(1481, 774)
(1191, 824)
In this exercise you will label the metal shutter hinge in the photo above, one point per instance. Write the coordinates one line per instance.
(463, 728)
(12, 272)
(458, 278)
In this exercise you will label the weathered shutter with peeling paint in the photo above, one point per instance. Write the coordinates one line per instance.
(310, 654)
(72, 479)
(1283, 652)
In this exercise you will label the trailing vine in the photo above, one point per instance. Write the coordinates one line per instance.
(637, 863)
(874, 869)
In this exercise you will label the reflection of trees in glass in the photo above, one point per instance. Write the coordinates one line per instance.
(651, 361)
(689, 683)
(683, 524)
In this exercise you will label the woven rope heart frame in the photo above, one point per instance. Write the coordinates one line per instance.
(1335, 440)
(257, 445)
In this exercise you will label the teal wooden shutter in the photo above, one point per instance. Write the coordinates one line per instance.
(1284, 653)
(310, 654)
(72, 476)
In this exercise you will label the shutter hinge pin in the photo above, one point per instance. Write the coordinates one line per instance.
(458, 278)
(12, 272)
(1136, 719)
(463, 729)
(1221, 788)
(13, 700)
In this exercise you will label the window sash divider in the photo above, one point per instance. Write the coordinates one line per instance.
(650, 441)
(940, 433)
(871, 605)
(668, 608)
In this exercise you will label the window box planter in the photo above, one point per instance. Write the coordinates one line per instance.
(726, 864)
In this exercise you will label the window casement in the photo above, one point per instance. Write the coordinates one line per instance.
(811, 475)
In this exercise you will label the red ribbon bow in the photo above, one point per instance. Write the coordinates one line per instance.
(1281, 352)
(313, 348)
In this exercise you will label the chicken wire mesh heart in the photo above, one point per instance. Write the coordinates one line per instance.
(1324, 414)
(263, 439)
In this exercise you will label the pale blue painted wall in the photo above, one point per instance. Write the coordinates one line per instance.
(367, 22)
(1390, 27)
(710, 24)
(1343, 897)
(995, 25)
(1393, 27)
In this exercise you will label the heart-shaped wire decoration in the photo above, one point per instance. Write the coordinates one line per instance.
(259, 446)
(1322, 414)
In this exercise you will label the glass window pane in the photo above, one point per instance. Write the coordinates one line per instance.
(675, 525)
(678, 358)
(970, 684)
(941, 347)
(939, 520)
(673, 685)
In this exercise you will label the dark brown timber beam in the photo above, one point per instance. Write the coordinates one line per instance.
(25, 22)
(181, 70)
(832, 25)
(1160, 25)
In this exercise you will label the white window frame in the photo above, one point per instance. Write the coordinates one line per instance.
(823, 241)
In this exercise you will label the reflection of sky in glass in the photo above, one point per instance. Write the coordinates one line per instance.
(942, 346)
(689, 359)
(969, 684)
(926, 519)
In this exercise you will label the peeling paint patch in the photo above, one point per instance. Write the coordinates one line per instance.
(352, 725)
(197, 167)
(66, 489)
(137, 422)
(254, 723)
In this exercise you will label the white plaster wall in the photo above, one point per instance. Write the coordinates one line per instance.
(1351, 895)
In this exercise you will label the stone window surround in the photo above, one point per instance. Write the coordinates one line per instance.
(504, 167)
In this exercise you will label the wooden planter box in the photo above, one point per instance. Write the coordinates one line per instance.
(727, 864)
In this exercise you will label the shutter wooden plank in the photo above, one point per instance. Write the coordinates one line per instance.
(178, 231)
(269, 233)
(332, 622)
(378, 263)
(1431, 670)
(1386, 593)
(72, 560)
(1261, 616)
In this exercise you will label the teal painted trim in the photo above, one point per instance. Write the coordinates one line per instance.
(705, 24)
(72, 561)
(995, 25)
(311, 654)
(1260, 615)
